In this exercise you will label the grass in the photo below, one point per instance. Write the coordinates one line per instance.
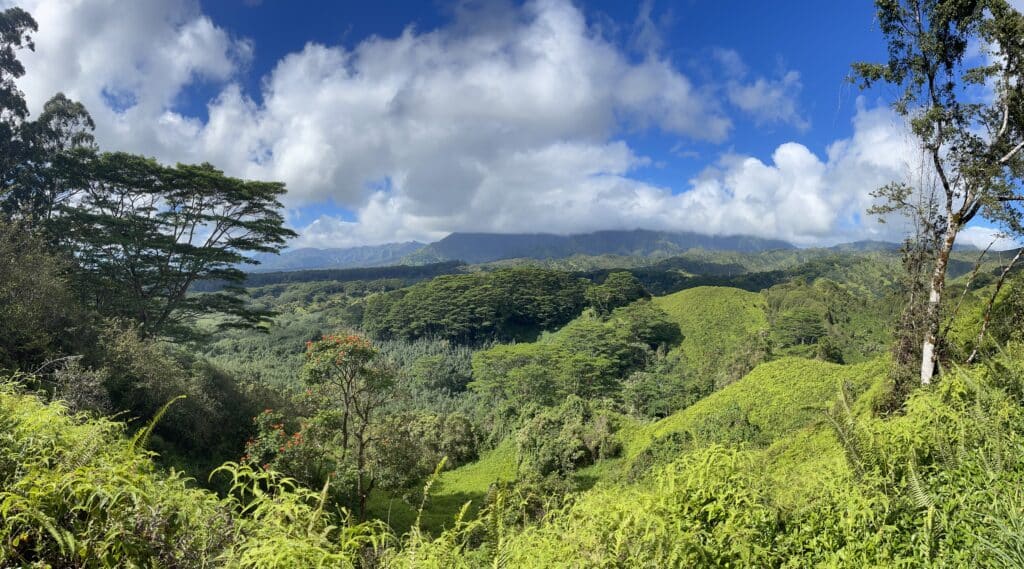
(716, 322)
(452, 490)
(777, 398)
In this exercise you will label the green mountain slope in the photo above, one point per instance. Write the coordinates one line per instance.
(716, 322)
(775, 399)
(487, 247)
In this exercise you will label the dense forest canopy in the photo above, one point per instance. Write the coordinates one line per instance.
(628, 399)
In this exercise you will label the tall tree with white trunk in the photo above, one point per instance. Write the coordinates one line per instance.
(959, 65)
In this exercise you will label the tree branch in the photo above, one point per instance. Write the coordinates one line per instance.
(967, 288)
(1006, 158)
(988, 307)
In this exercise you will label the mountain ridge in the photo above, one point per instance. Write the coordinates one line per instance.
(486, 247)
(363, 256)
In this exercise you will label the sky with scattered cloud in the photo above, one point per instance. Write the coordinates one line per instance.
(393, 121)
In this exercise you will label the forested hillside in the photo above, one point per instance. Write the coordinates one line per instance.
(611, 399)
(352, 257)
(487, 247)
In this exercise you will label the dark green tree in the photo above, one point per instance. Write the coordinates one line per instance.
(799, 326)
(142, 234)
(40, 185)
(16, 27)
(39, 316)
(619, 289)
(972, 146)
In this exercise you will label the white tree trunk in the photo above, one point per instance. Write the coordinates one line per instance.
(938, 284)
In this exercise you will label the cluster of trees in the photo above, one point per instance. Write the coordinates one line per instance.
(98, 252)
(354, 427)
(403, 275)
(829, 320)
(504, 305)
(590, 358)
(557, 441)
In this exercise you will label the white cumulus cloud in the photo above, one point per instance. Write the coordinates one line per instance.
(510, 122)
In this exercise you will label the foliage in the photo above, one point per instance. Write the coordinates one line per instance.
(589, 358)
(16, 28)
(827, 319)
(474, 308)
(77, 493)
(405, 274)
(39, 317)
(353, 386)
(559, 440)
(618, 289)
(776, 399)
(972, 147)
(143, 233)
(303, 312)
(718, 325)
(932, 487)
(208, 427)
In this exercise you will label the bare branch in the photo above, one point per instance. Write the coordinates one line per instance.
(967, 288)
(991, 301)
(1009, 155)
(1006, 122)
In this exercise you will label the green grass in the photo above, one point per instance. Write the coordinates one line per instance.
(450, 492)
(716, 322)
(777, 398)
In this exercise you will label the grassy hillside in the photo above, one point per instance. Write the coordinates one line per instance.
(775, 399)
(885, 497)
(771, 403)
(716, 322)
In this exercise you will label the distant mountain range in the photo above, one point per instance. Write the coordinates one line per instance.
(887, 246)
(347, 258)
(488, 247)
(865, 246)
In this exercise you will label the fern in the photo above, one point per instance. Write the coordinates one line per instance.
(142, 437)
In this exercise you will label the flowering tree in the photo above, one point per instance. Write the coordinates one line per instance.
(350, 374)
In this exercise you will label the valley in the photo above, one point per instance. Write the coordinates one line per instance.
(511, 284)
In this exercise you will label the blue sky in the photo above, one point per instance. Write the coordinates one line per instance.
(393, 120)
(817, 39)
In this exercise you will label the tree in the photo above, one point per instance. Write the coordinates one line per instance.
(358, 385)
(619, 289)
(40, 183)
(39, 317)
(142, 234)
(799, 326)
(561, 439)
(973, 145)
(16, 26)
